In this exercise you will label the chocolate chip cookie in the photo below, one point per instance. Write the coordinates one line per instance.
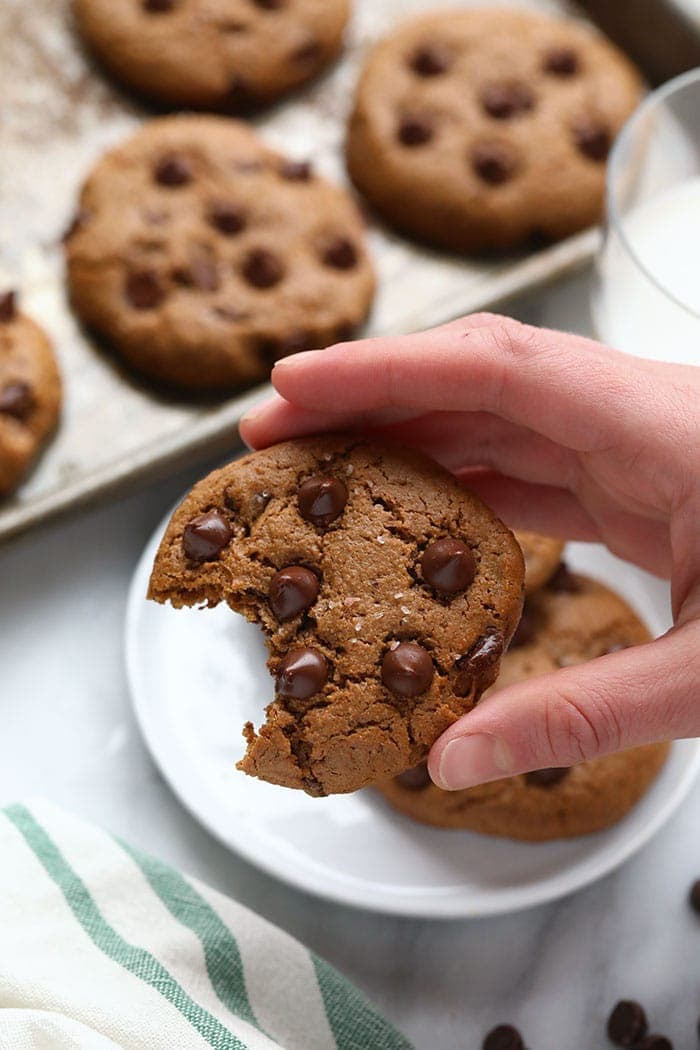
(202, 256)
(572, 620)
(387, 593)
(542, 556)
(213, 54)
(486, 128)
(30, 392)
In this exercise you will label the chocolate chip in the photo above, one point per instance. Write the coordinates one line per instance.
(526, 630)
(296, 170)
(322, 499)
(694, 897)
(507, 99)
(563, 581)
(415, 779)
(8, 307)
(430, 60)
(561, 61)
(448, 566)
(493, 162)
(627, 1023)
(407, 670)
(144, 290)
(292, 591)
(173, 170)
(504, 1037)
(341, 254)
(293, 343)
(158, 7)
(546, 778)
(202, 273)
(205, 536)
(301, 674)
(262, 268)
(654, 1042)
(17, 400)
(415, 130)
(592, 138)
(483, 655)
(228, 219)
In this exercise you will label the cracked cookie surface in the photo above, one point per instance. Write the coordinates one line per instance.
(489, 128)
(202, 256)
(30, 392)
(573, 620)
(386, 591)
(213, 54)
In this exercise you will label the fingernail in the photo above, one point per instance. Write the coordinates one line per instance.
(286, 364)
(475, 759)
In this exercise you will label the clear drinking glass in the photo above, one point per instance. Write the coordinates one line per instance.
(646, 292)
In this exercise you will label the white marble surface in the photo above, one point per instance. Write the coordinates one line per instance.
(68, 734)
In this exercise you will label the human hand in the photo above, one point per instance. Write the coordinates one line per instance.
(562, 436)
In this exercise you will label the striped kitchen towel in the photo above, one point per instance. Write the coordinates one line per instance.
(103, 947)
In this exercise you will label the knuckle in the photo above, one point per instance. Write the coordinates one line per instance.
(577, 729)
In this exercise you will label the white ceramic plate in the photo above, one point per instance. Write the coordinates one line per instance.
(197, 676)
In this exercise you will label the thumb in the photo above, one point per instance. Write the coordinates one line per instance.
(637, 696)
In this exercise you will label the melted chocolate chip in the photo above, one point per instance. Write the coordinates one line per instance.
(627, 1023)
(430, 60)
(262, 268)
(322, 499)
(407, 670)
(8, 307)
(546, 778)
(507, 99)
(293, 343)
(302, 674)
(296, 170)
(592, 139)
(340, 254)
(483, 655)
(563, 582)
(694, 897)
(144, 290)
(292, 591)
(17, 400)
(205, 536)
(504, 1037)
(173, 170)
(654, 1042)
(228, 219)
(158, 7)
(415, 130)
(493, 162)
(561, 62)
(448, 566)
(526, 630)
(415, 779)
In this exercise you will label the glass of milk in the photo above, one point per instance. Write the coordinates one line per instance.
(646, 293)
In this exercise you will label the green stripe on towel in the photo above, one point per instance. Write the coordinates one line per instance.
(223, 959)
(135, 960)
(354, 1022)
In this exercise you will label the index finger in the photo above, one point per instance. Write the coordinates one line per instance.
(567, 388)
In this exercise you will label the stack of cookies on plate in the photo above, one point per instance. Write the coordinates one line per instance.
(568, 618)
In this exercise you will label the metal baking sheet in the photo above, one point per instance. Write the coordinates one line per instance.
(57, 115)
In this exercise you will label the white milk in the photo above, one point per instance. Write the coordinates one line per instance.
(655, 317)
